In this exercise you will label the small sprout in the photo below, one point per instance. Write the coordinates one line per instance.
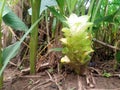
(20, 67)
(30, 82)
(50, 70)
(105, 74)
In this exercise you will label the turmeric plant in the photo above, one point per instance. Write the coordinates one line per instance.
(77, 43)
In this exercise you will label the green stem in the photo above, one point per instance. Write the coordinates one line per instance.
(1, 60)
(91, 7)
(94, 13)
(34, 35)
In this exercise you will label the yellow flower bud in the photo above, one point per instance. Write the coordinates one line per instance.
(65, 59)
(64, 40)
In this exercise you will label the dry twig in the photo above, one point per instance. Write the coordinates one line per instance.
(105, 44)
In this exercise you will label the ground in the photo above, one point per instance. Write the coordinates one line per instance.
(46, 80)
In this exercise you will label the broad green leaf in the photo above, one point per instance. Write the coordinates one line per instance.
(11, 51)
(13, 21)
(7, 50)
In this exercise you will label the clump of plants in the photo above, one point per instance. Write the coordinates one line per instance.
(77, 43)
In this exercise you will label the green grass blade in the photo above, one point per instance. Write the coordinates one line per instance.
(61, 4)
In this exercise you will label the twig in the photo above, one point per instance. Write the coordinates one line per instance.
(30, 76)
(105, 44)
(80, 85)
(27, 70)
(35, 87)
(90, 79)
(54, 80)
(17, 37)
(96, 70)
(12, 63)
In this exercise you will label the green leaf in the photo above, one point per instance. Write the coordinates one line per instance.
(7, 50)
(61, 4)
(117, 55)
(9, 53)
(55, 49)
(59, 16)
(109, 18)
(13, 21)
(71, 5)
(107, 75)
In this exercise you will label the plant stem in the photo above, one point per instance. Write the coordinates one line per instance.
(91, 7)
(47, 26)
(34, 35)
(1, 58)
(94, 13)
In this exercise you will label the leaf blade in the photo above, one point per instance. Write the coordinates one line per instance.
(13, 21)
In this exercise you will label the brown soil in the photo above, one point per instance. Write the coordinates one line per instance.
(55, 81)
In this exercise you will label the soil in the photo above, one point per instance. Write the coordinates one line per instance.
(46, 80)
